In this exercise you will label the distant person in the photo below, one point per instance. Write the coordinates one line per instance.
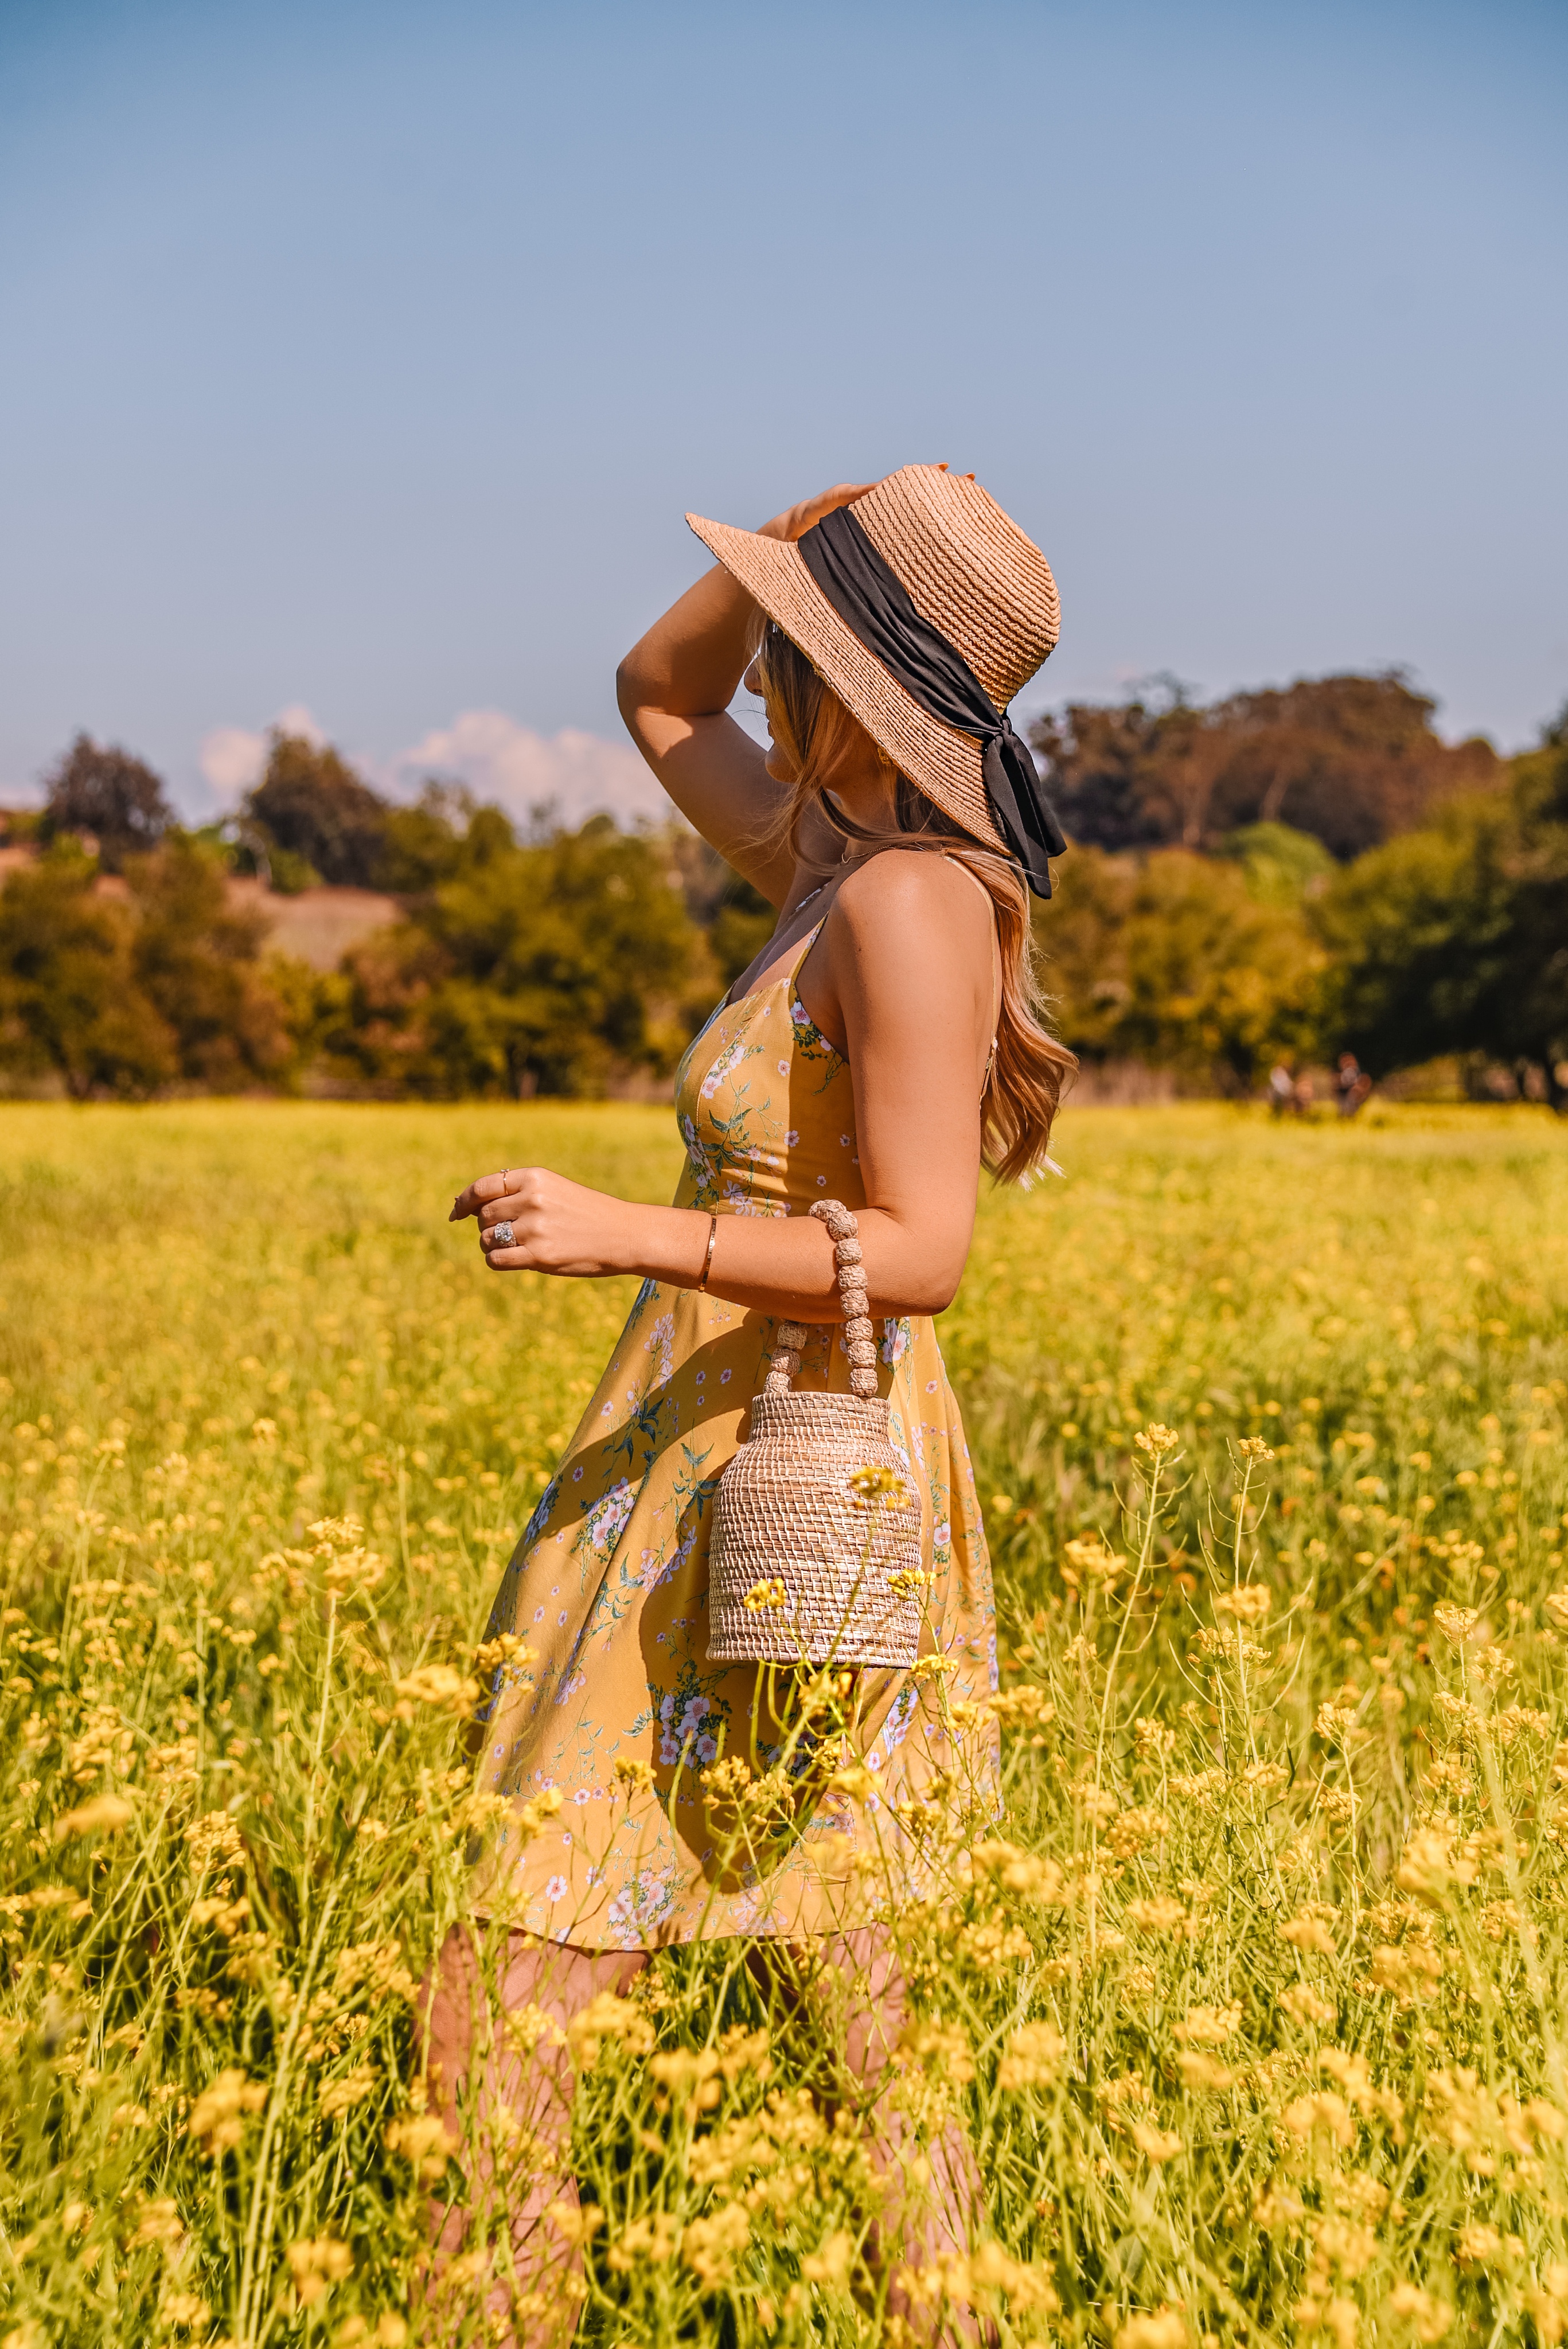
(885, 1043)
(1302, 1095)
(1281, 1088)
(1351, 1083)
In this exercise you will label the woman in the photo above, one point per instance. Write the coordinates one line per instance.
(882, 1046)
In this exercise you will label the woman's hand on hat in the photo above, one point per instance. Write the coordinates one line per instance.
(795, 521)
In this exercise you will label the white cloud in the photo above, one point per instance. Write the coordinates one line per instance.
(499, 759)
(232, 759)
(496, 756)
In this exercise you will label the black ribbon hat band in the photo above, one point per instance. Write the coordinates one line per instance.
(876, 606)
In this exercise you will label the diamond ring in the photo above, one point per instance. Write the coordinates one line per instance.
(503, 1236)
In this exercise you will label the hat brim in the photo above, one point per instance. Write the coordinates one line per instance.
(944, 764)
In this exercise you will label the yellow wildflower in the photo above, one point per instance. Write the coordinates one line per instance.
(1016, 1870)
(1133, 1828)
(1429, 1868)
(1249, 1602)
(216, 2117)
(883, 1484)
(1157, 2145)
(159, 2223)
(524, 2028)
(710, 2246)
(340, 2097)
(608, 2017)
(425, 2141)
(105, 1815)
(1157, 1440)
(1161, 1914)
(940, 2049)
(1321, 2109)
(1428, 2316)
(438, 1685)
(1025, 1706)
(910, 1581)
(1209, 2026)
(654, 2238)
(187, 2310)
(1166, 2329)
(831, 2266)
(1033, 2059)
(1199, 2072)
(575, 2221)
(1093, 1560)
(530, 1816)
(1308, 1929)
(316, 2263)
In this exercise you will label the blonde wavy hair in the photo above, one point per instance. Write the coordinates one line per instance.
(816, 733)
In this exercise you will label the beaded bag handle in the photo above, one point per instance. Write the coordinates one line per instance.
(858, 1341)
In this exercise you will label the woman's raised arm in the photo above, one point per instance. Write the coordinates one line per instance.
(675, 687)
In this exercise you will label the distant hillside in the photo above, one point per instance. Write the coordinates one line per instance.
(318, 925)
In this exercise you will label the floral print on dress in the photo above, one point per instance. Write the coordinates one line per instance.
(608, 1585)
(894, 1340)
(608, 1515)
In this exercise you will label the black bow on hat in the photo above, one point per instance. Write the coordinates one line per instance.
(873, 602)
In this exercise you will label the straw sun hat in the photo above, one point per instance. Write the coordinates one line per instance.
(921, 597)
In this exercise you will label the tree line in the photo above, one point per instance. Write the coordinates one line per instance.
(1280, 875)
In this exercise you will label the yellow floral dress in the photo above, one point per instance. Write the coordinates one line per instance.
(608, 1586)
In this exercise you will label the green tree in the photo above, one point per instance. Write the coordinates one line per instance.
(100, 790)
(1173, 960)
(1454, 939)
(538, 967)
(69, 1003)
(1531, 1003)
(1351, 759)
(198, 965)
(737, 917)
(442, 834)
(126, 992)
(312, 818)
(1282, 866)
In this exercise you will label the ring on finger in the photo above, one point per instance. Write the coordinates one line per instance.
(503, 1236)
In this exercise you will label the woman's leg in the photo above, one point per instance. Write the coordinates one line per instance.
(853, 1986)
(502, 2082)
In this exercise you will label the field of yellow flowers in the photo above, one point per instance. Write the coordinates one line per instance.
(1251, 2006)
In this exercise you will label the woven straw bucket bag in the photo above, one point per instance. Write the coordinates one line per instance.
(803, 1567)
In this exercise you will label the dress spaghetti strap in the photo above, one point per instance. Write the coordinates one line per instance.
(807, 942)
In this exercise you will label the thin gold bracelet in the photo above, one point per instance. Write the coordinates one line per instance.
(708, 1259)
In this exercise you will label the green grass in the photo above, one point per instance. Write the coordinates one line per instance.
(1285, 1905)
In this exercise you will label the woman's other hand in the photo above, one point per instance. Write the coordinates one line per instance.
(795, 521)
(556, 1225)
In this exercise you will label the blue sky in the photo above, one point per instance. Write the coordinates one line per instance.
(361, 360)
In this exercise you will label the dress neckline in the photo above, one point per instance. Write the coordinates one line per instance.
(733, 1002)
(786, 978)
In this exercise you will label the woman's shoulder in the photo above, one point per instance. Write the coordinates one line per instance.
(913, 888)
